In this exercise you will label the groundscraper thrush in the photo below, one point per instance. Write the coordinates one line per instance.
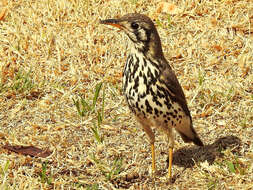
(151, 87)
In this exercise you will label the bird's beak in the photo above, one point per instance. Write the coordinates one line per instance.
(112, 22)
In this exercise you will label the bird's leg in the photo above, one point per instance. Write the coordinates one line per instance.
(170, 161)
(151, 136)
(171, 146)
(153, 157)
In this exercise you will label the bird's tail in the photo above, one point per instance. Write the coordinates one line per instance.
(196, 140)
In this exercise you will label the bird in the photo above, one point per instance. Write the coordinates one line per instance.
(151, 88)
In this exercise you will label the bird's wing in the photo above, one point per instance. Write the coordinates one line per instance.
(175, 90)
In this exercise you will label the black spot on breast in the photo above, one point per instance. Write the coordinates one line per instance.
(131, 90)
(137, 106)
(155, 64)
(144, 114)
(125, 86)
(162, 89)
(129, 61)
(160, 94)
(145, 80)
(156, 112)
(154, 97)
(153, 79)
(171, 114)
(156, 74)
(148, 107)
(135, 69)
(145, 62)
(131, 108)
(149, 72)
(137, 59)
(157, 102)
(152, 93)
(168, 105)
(136, 83)
(130, 77)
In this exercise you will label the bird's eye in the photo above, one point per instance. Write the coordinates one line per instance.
(134, 25)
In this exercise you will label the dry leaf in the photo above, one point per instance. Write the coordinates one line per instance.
(8, 71)
(214, 22)
(217, 47)
(244, 64)
(205, 113)
(3, 135)
(3, 10)
(33, 95)
(64, 67)
(169, 8)
(3, 13)
(28, 150)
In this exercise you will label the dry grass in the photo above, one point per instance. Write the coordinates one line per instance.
(54, 51)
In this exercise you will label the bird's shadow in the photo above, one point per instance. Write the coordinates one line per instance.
(187, 157)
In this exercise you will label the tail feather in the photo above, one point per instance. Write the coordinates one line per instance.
(196, 139)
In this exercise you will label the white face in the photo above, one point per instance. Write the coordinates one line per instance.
(138, 32)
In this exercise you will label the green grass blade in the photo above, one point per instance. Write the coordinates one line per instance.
(98, 138)
(76, 103)
(85, 105)
(231, 167)
(103, 105)
(99, 118)
(98, 88)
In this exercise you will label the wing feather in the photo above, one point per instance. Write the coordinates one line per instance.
(176, 94)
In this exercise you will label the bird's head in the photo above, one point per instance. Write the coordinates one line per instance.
(141, 31)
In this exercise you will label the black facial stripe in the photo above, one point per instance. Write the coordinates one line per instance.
(147, 33)
(138, 40)
(136, 32)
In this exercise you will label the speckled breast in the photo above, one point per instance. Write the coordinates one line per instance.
(144, 93)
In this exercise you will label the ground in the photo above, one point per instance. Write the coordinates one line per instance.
(55, 57)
